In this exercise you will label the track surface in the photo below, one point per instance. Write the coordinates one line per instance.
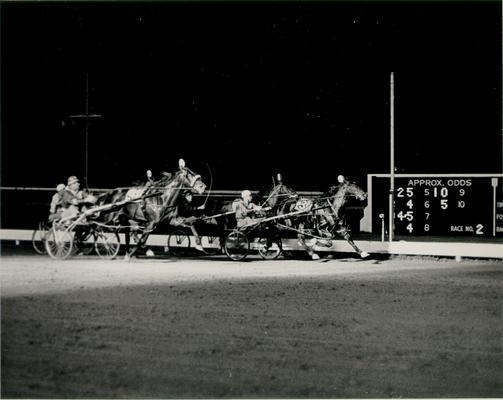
(215, 328)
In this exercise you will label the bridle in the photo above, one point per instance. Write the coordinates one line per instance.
(274, 194)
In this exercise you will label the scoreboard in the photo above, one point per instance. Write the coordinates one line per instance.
(440, 205)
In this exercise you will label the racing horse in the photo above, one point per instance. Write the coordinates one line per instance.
(150, 205)
(321, 218)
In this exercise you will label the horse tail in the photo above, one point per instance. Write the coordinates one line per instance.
(101, 198)
(112, 196)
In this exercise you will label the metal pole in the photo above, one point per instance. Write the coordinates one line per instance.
(494, 182)
(87, 116)
(392, 158)
(87, 128)
(383, 228)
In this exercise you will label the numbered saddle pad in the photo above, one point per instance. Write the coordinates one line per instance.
(303, 205)
(134, 193)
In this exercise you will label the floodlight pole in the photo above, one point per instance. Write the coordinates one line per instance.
(86, 116)
(392, 158)
(87, 127)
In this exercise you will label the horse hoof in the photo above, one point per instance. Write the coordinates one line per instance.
(149, 253)
(315, 257)
(364, 254)
(127, 257)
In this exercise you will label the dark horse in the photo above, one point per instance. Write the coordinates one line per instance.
(320, 218)
(150, 205)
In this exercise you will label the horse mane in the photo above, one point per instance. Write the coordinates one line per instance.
(333, 190)
(278, 195)
(167, 178)
(109, 197)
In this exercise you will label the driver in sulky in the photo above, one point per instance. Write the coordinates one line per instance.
(73, 199)
(245, 210)
(188, 214)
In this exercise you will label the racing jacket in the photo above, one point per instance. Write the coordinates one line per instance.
(186, 209)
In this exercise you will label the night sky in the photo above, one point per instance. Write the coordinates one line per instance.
(249, 88)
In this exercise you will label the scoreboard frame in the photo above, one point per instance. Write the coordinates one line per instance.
(367, 223)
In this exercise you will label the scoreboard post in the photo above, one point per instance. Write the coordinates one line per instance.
(469, 205)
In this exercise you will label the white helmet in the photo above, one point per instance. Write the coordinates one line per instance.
(245, 193)
(340, 179)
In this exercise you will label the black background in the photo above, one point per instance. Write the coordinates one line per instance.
(250, 88)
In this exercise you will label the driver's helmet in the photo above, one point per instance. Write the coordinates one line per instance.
(341, 179)
(245, 193)
(72, 179)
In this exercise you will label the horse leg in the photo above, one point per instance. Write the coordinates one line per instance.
(127, 239)
(345, 234)
(302, 242)
(124, 222)
(276, 238)
(195, 233)
(143, 240)
(222, 225)
(131, 253)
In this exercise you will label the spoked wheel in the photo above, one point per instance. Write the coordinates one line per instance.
(38, 238)
(106, 243)
(84, 245)
(269, 252)
(59, 243)
(211, 245)
(178, 242)
(237, 245)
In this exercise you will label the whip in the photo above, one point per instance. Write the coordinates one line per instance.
(211, 184)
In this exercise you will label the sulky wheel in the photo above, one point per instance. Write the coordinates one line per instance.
(236, 245)
(106, 243)
(269, 252)
(211, 245)
(178, 242)
(38, 238)
(84, 244)
(59, 243)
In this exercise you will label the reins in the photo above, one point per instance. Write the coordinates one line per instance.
(211, 184)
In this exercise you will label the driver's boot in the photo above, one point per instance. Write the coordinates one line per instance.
(198, 243)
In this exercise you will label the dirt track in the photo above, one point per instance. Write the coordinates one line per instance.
(206, 328)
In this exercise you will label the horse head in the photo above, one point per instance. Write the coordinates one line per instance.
(346, 189)
(338, 195)
(163, 194)
(278, 195)
(189, 179)
(354, 190)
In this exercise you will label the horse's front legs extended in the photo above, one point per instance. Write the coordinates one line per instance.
(345, 234)
(141, 244)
